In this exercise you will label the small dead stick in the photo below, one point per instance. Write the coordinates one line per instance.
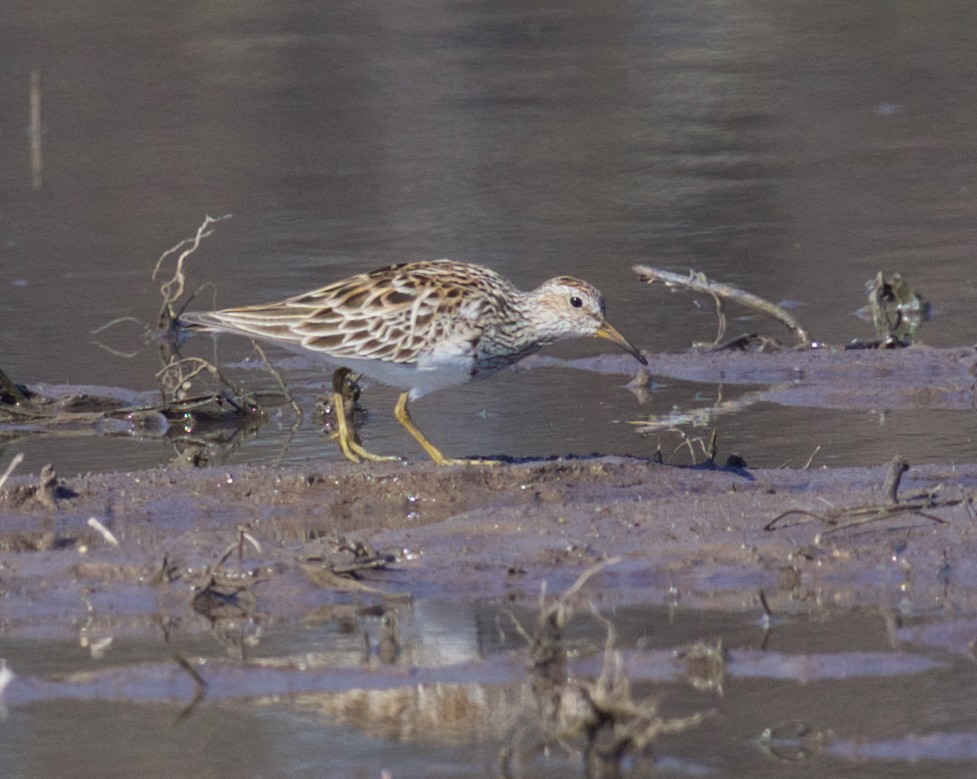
(865, 514)
(862, 515)
(238, 546)
(17, 460)
(698, 282)
(903, 508)
(893, 475)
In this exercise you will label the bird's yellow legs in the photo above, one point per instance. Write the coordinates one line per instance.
(345, 392)
(354, 452)
(346, 437)
(403, 416)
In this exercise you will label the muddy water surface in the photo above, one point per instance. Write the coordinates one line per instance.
(792, 149)
(476, 620)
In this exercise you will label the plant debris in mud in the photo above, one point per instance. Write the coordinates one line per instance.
(897, 311)
(336, 570)
(670, 423)
(47, 492)
(45, 495)
(199, 408)
(847, 518)
(184, 417)
(600, 715)
(228, 593)
(339, 411)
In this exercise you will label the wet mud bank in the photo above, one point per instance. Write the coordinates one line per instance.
(280, 543)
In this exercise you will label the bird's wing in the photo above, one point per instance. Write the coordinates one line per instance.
(386, 315)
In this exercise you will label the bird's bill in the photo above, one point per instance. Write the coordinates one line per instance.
(608, 332)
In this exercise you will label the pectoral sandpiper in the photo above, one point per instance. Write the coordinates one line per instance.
(422, 326)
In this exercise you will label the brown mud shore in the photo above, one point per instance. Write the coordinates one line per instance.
(282, 542)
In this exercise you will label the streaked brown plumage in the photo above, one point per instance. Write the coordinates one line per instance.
(421, 326)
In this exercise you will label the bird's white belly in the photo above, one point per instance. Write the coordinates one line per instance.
(433, 372)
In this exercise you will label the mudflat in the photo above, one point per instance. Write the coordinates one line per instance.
(482, 531)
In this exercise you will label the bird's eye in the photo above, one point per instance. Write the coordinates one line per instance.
(576, 302)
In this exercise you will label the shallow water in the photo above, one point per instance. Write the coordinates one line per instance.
(792, 149)
(773, 147)
(324, 700)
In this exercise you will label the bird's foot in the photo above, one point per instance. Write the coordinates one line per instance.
(442, 460)
(355, 453)
(346, 437)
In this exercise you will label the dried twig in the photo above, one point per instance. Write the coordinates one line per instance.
(18, 459)
(893, 475)
(99, 527)
(173, 289)
(845, 519)
(810, 459)
(698, 282)
(863, 515)
(558, 609)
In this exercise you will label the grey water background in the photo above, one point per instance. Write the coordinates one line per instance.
(793, 149)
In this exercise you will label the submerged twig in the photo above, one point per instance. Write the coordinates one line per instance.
(277, 376)
(199, 686)
(698, 282)
(148, 336)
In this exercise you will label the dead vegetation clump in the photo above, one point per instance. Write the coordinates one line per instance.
(599, 719)
(199, 409)
(895, 310)
(920, 505)
(343, 566)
